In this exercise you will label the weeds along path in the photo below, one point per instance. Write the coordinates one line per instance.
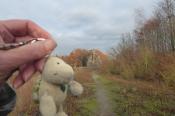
(105, 108)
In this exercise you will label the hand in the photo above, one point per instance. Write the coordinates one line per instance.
(28, 58)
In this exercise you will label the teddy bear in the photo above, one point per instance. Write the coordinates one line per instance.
(57, 79)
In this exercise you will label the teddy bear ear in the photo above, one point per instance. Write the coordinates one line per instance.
(75, 88)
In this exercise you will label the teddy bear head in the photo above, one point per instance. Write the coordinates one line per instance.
(56, 71)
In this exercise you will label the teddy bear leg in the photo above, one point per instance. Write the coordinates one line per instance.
(47, 106)
(61, 112)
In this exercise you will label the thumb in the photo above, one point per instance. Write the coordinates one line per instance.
(13, 58)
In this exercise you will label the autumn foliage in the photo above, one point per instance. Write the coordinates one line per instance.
(79, 57)
(148, 52)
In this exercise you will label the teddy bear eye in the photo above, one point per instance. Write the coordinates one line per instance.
(58, 63)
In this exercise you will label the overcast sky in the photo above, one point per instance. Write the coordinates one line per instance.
(79, 23)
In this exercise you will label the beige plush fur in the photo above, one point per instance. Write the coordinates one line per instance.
(52, 90)
(57, 71)
(46, 101)
(76, 88)
(56, 79)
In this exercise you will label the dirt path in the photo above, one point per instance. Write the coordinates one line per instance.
(105, 108)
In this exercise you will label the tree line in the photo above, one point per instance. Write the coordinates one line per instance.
(158, 32)
(147, 52)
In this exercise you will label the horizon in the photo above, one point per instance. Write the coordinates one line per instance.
(105, 53)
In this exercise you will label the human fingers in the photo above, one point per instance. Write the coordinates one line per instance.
(39, 65)
(14, 58)
(1, 40)
(20, 28)
(25, 74)
(6, 36)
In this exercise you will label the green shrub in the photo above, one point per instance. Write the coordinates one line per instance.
(127, 71)
(144, 64)
(141, 63)
(168, 75)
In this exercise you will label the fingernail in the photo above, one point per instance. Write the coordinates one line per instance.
(49, 45)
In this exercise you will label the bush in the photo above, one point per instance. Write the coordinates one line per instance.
(127, 71)
(166, 69)
(144, 64)
(141, 63)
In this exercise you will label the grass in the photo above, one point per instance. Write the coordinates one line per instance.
(133, 100)
(24, 104)
(88, 108)
(88, 105)
(73, 105)
(128, 98)
(85, 103)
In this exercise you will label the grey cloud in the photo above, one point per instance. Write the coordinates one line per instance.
(79, 19)
(78, 23)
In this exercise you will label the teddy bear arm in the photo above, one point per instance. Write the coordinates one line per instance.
(75, 88)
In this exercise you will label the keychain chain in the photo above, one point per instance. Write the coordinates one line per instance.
(8, 46)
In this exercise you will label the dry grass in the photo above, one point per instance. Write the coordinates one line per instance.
(144, 86)
(139, 98)
(84, 76)
(73, 104)
(26, 107)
